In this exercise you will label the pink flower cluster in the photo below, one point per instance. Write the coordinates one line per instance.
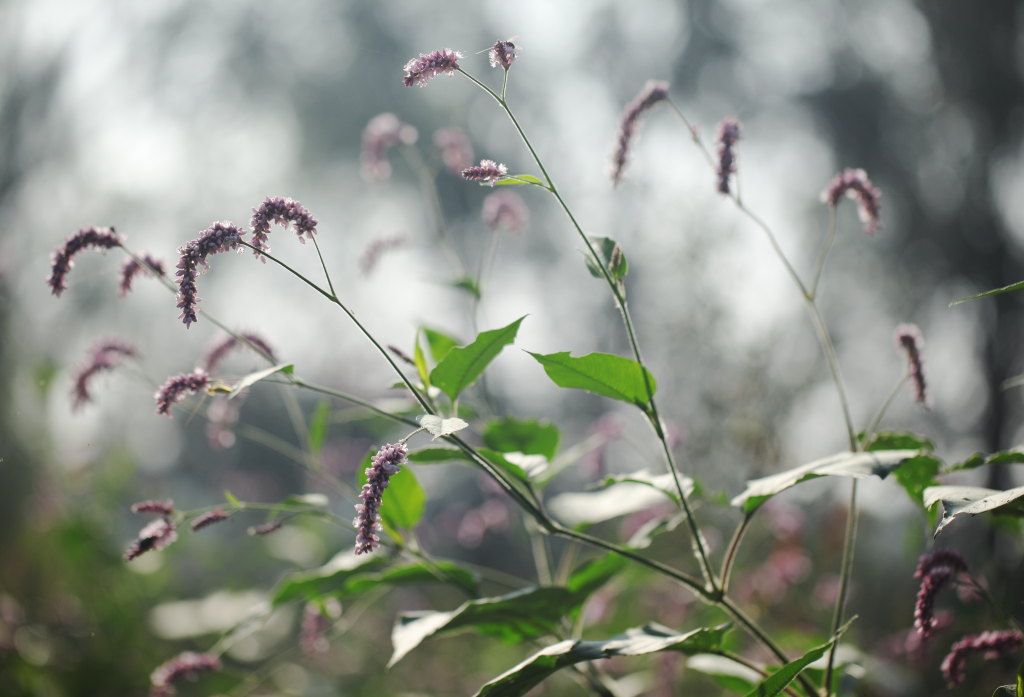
(854, 183)
(105, 356)
(909, 339)
(385, 464)
(652, 93)
(419, 71)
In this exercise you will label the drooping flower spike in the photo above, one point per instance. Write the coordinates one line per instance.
(652, 93)
(177, 387)
(131, 268)
(185, 665)
(194, 260)
(155, 536)
(63, 257)
(727, 137)
(209, 518)
(909, 339)
(419, 71)
(383, 466)
(105, 356)
(990, 645)
(282, 211)
(164, 508)
(216, 353)
(854, 183)
(487, 171)
(934, 570)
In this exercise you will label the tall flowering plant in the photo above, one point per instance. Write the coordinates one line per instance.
(521, 457)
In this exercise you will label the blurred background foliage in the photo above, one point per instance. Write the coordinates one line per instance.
(160, 117)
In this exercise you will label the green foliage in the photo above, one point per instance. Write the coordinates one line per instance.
(638, 641)
(252, 378)
(612, 257)
(973, 500)
(1003, 457)
(529, 437)
(318, 426)
(777, 682)
(601, 373)
(460, 367)
(439, 343)
(631, 494)
(1019, 285)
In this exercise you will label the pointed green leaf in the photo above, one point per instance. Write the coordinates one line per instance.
(420, 361)
(638, 641)
(439, 343)
(996, 291)
(777, 682)
(612, 256)
(252, 378)
(498, 460)
(431, 456)
(462, 366)
(469, 285)
(595, 573)
(898, 440)
(731, 675)
(917, 474)
(230, 498)
(1014, 456)
(318, 426)
(517, 180)
(509, 435)
(601, 373)
(972, 500)
(325, 579)
(846, 464)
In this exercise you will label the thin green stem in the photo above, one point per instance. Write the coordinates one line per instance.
(323, 265)
(428, 181)
(730, 552)
(830, 240)
(872, 426)
(844, 583)
(298, 382)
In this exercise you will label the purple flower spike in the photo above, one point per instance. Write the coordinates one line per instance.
(185, 665)
(503, 54)
(219, 237)
(132, 267)
(281, 211)
(419, 71)
(652, 93)
(159, 507)
(383, 466)
(934, 570)
(383, 131)
(505, 210)
(63, 257)
(488, 171)
(377, 249)
(105, 356)
(909, 338)
(266, 528)
(177, 387)
(989, 644)
(456, 150)
(207, 519)
(728, 135)
(854, 183)
(216, 353)
(157, 535)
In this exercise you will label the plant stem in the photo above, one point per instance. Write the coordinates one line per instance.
(844, 583)
(730, 553)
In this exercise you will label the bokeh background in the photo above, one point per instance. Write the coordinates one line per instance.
(161, 117)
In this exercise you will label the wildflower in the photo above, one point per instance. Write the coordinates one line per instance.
(854, 183)
(989, 644)
(131, 268)
(159, 507)
(155, 536)
(266, 528)
(934, 570)
(219, 237)
(215, 354)
(317, 618)
(505, 210)
(185, 665)
(209, 518)
(63, 257)
(176, 387)
(105, 356)
(402, 355)
(652, 93)
(383, 466)
(728, 135)
(378, 247)
(281, 211)
(488, 171)
(909, 338)
(419, 71)
(383, 131)
(503, 53)
(456, 151)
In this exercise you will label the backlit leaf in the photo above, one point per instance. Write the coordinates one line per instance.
(601, 373)
(462, 366)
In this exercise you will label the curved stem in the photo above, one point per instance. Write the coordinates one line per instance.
(730, 553)
(844, 583)
(826, 248)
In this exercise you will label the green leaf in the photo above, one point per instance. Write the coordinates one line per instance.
(318, 426)
(420, 361)
(595, 573)
(517, 180)
(439, 427)
(462, 366)
(432, 456)
(638, 641)
(469, 285)
(510, 435)
(1003, 457)
(601, 373)
(403, 501)
(665, 482)
(917, 474)
(731, 675)
(590, 507)
(347, 575)
(972, 500)
(230, 498)
(879, 463)
(498, 460)
(612, 256)
(898, 440)
(439, 343)
(515, 617)
(996, 291)
(778, 681)
(252, 378)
